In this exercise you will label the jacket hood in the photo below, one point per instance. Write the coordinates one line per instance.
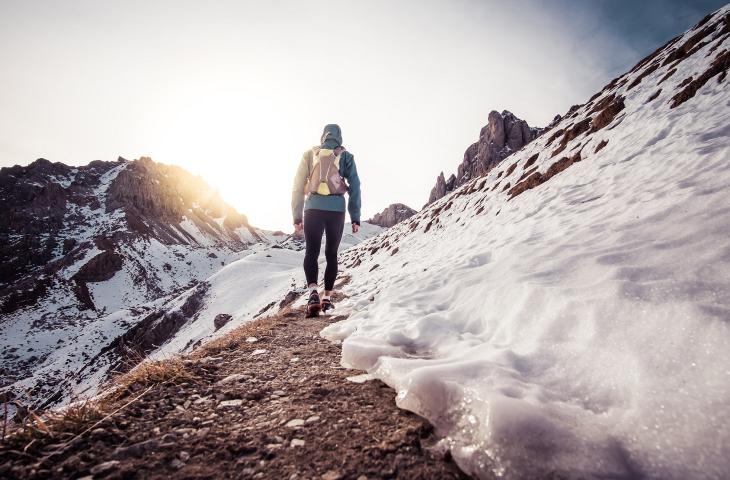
(331, 136)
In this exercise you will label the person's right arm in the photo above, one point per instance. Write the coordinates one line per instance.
(297, 193)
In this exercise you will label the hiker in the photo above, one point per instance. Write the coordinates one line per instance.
(321, 179)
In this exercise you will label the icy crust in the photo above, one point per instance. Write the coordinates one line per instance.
(583, 326)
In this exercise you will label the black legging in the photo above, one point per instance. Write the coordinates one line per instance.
(317, 222)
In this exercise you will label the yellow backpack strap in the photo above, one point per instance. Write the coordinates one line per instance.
(310, 161)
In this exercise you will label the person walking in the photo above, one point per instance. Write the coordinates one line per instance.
(326, 172)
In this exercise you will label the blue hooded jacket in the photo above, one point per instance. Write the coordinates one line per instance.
(331, 138)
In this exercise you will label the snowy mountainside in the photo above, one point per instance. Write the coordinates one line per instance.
(88, 251)
(569, 312)
(256, 285)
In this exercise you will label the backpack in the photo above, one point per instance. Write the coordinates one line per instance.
(324, 173)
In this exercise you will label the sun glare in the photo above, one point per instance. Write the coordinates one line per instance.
(240, 145)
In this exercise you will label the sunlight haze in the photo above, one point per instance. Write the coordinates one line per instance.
(236, 91)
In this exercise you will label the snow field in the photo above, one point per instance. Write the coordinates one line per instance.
(582, 327)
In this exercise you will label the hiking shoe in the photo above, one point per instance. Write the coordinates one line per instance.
(313, 305)
(327, 305)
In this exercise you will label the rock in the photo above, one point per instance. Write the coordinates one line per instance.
(503, 135)
(221, 320)
(176, 464)
(313, 418)
(393, 214)
(104, 467)
(297, 442)
(280, 393)
(332, 475)
(184, 456)
(231, 403)
(290, 298)
(230, 379)
(297, 422)
(252, 340)
(259, 351)
(136, 450)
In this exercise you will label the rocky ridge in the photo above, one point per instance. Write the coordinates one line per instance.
(503, 135)
(392, 214)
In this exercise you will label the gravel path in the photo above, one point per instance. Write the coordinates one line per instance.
(269, 401)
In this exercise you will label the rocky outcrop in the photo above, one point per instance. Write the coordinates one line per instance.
(392, 214)
(156, 197)
(503, 135)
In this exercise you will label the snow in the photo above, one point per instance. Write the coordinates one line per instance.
(582, 327)
(245, 288)
(240, 289)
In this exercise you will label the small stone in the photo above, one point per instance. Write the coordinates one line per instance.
(332, 475)
(313, 418)
(184, 456)
(231, 403)
(294, 360)
(362, 477)
(252, 340)
(104, 467)
(98, 433)
(232, 378)
(280, 393)
(297, 422)
(186, 405)
(259, 351)
(176, 464)
(297, 442)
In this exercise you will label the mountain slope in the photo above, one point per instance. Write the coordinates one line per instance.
(568, 312)
(88, 252)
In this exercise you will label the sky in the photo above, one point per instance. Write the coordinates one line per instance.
(236, 91)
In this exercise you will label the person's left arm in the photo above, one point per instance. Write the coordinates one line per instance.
(353, 201)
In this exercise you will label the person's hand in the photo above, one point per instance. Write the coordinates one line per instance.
(355, 228)
(298, 229)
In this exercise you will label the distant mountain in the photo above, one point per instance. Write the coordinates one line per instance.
(503, 135)
(392, 214)
(87, 251)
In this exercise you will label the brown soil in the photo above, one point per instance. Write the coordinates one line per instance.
(277, 407)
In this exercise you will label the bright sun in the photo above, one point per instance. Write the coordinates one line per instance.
(240, 144)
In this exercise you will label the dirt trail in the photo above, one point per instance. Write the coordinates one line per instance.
(269, 401)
